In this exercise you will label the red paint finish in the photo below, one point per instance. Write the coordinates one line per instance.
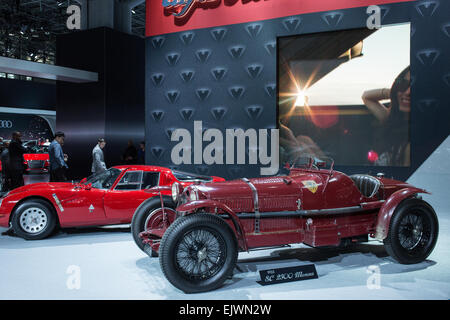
(83, 205)
(317, 207)
(219, 13)
(388, 208)
(34, 157)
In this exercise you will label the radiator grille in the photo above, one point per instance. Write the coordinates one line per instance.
(36, 164)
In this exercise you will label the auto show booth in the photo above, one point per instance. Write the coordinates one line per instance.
(303, 67)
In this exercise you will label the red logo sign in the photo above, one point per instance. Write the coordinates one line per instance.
(183, 9)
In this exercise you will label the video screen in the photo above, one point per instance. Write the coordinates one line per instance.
(346, 95)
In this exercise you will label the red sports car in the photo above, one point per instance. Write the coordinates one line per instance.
(34, 211)
(36, 159)
(312, 204)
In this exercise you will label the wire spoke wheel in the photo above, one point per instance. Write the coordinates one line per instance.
(413, 232)
(200, 254)
(33, 220)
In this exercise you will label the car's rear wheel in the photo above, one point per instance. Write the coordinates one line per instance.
(413, 232)
(33, 220)
(198, 253)
(150, 216)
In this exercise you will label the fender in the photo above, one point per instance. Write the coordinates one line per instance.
(388, 209)
(190, 207)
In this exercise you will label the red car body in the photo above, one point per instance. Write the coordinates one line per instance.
(36, 162)
(82, 204)
(317, 207)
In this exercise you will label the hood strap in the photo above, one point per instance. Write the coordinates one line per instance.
(255, 203)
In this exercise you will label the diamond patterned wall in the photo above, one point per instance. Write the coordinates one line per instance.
(226, 77)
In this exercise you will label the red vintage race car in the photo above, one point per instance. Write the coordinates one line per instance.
(312, 204)
(34, 211)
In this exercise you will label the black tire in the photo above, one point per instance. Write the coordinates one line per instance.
(204, 230)
(143, 212)
(34, 220)
(413, 232)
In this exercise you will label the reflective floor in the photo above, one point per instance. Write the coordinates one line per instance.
(97, 263)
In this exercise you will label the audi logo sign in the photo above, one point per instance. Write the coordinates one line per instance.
(6, 124)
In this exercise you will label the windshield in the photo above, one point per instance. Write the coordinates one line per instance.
(37, 149)
(103, 180)
(308, 162)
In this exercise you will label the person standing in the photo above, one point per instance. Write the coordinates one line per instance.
(4, 158)
(141, 153)
(130, 154)
(98, 158)
(16, 166)
(58, 165)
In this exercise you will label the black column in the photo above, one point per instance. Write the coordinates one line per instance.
(113, 107)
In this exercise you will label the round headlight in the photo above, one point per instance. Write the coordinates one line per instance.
(175, 191)
(193, 195)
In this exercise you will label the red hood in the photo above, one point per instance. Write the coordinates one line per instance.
(274, 193)
(36, 156)
(44, 186)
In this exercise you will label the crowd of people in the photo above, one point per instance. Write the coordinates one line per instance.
(13, 166)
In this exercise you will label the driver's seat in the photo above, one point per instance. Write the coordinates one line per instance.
(366, 184)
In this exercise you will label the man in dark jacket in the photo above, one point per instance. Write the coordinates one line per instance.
(58, 159)
(130, 154)
(4, 158)
(16, 166)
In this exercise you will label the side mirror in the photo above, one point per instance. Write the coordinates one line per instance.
(83, 180)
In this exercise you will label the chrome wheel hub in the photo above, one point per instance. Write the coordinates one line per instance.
(33, 220)
(201, 255)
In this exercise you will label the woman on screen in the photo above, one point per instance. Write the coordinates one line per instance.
(394, 137)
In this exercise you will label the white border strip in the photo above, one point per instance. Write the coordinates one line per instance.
(28, 111)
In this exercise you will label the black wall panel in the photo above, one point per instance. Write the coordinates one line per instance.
(226, 77)
(27, 94)
(113, 107)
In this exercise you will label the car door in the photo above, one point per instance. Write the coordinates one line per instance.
(121, 202)
(84, 208)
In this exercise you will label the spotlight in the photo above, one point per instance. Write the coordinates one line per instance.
(134, 12)
(301, 100)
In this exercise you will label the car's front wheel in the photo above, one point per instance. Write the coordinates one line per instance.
(150, 216)
(198, 253)
(413, 232)
(33, 220)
